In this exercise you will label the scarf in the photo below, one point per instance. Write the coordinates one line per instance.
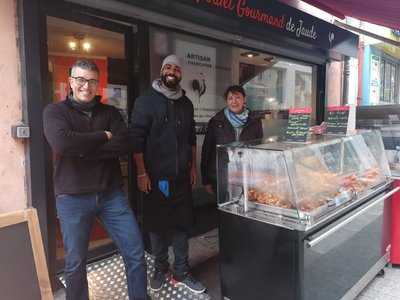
(159, 86)
(85, 107)
(237, 120)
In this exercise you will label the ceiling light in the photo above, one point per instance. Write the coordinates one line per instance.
(249, 54)
(86, 46)
(78, 44)
(72, 45)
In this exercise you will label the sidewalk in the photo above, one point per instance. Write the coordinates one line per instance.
(107, 279)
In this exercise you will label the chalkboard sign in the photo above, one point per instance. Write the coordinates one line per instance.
(337, 119)
(298, 124)
(23, 271)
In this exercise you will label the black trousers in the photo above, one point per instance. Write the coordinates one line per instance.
(180, 246)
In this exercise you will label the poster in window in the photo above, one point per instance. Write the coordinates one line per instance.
(374, 92)
(199, 78)
(117, 96)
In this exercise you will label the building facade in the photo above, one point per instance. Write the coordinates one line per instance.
(283, 57)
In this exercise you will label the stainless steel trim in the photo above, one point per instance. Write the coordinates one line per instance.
(290, 222)
(375, 191)
(311, 243)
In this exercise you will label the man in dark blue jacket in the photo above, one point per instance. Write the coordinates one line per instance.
(87, 138)
(164, 142)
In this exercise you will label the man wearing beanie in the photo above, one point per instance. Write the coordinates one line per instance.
(164, 143)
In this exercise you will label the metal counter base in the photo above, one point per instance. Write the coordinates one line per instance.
(264, 261)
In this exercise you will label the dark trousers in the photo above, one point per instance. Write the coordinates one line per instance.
(180, 246)
(77, 214)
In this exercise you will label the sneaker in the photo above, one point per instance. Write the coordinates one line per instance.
(192, 284)
(157, 280)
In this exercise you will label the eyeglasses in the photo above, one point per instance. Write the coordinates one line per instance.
(81, 81)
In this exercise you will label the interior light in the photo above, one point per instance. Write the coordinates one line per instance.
(86, 46)
(72, 45)
(249, 54)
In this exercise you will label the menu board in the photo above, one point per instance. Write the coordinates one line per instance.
(337, 119)
(298, 124)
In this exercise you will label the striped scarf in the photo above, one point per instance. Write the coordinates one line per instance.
(237, 120)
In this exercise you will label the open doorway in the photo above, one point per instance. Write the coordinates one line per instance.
(68, 41)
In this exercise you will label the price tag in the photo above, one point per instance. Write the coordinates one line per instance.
(298, 124)
(337, 119)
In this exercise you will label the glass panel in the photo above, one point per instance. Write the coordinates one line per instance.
(266, 91)
(382, 82)
(280, 181)
(392, 83)
(68, 41)
(280, 86)
(303, 89)
(387, 83)
(271, 83)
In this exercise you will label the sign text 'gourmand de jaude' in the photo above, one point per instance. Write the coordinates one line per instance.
(281, 21)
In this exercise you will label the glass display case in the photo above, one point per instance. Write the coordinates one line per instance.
(296, 185)
(391, 141)
(386, 119)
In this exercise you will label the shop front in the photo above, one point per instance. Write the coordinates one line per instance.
(279, 54)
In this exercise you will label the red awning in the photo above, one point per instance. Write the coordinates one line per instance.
(381, 12)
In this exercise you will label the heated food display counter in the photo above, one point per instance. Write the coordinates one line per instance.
(302, 220)
(386, 119)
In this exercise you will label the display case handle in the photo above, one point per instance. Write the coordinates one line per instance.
(311, 243)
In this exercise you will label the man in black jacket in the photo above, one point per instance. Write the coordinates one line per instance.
(164, 142)
(87, 138)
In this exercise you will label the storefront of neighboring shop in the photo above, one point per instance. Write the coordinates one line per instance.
(279, 54)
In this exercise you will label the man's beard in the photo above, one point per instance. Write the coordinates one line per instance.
(171, 84)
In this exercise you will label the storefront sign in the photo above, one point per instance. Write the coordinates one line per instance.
(298, 124)
(241, 9)
(337, 119)
(265, 20)
(278, 17)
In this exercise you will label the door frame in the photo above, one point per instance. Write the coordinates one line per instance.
(128, 32)
(32, 16)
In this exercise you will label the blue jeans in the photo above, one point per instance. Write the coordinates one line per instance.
(77, 214)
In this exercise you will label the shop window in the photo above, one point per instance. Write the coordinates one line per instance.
(266, 92)
(388, 82)
(272, 84)
(303, 89)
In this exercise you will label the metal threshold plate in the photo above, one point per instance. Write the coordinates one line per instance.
(106, 279)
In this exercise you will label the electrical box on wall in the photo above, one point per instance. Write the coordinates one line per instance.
(20, 131)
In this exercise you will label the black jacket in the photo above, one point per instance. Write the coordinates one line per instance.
(164, 131)
(85, 161)
(219, 132)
